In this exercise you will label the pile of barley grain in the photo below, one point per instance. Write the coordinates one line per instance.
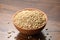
(30, 19)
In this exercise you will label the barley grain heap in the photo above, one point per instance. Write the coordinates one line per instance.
(30, 19)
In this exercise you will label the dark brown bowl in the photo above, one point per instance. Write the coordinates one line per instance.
(29, 32)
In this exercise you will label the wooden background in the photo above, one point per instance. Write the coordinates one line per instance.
(50, 7)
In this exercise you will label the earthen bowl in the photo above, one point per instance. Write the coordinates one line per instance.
(33, 31)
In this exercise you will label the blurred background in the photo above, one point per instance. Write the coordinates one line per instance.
(50, 7)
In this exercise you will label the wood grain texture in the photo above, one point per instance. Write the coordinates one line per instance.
(50, 7)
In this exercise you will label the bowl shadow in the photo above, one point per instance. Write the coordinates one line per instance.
(38, 36)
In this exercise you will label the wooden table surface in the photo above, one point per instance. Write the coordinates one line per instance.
(50, 7)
